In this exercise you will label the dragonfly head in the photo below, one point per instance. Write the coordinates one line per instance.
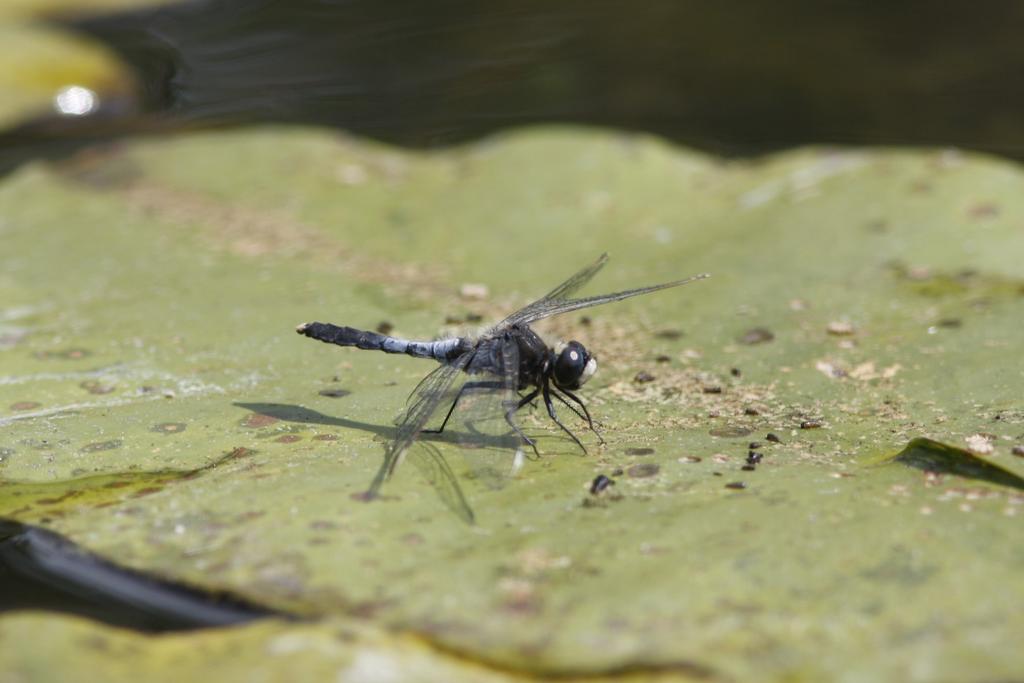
(573, 366)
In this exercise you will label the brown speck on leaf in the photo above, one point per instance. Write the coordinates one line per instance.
(8, 340)
(384, 327)
(751, 411)
(473, 317)
(771, 437)
(585, 320)
(736, 485)
(257, 420)
(735, 372)
(334, 393)
(729, 431)
(810, 424)
(756, 335)
(754, 445)
(983, 210)
(687, 459)
(64, 354)
(950, 323)
(840, 328)
(147, 491)
(412, 538)
(669, 334)
(712, 390)
(645, 469)
(101, 446)
(323, 525)
(473, 290)
(748, 468)
(240, 452)
(1018, 450)
(643, 377)
(639, 451)
(288, 438)
(662, 359)
(168, 427)
(25, 405)
(95, 387)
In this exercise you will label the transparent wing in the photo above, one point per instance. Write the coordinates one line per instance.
(557, 302)
(561, 292)
(478, 424)
(435, 389)
(434, 467)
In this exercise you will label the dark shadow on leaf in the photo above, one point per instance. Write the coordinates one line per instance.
(300, 415)
(44, 571)
(424, 454)
(933, 456)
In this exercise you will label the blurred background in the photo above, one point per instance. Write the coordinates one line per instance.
(736, 78)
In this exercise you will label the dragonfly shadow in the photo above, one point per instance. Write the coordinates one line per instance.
(425, 454)
(286, 412)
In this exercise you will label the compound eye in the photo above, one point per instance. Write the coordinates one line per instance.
(574, 366)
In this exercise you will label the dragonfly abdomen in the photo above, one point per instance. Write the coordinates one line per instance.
(442, 350)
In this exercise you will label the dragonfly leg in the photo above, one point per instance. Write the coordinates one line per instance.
(468, 386)
(586, 412)
(510, 413)
(553, 416)
(570, 406)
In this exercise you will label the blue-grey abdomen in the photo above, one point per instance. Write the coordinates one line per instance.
(443, 350)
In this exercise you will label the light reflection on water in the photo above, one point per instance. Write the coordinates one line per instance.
(75, 100)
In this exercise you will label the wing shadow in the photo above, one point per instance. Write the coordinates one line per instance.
(425, 455)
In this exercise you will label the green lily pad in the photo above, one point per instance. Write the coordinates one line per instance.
(859, 300)
(333, 649)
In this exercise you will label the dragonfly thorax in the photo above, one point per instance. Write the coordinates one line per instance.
(573, 365)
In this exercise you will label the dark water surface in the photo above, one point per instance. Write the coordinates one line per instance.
(738, 77)
(42, 570)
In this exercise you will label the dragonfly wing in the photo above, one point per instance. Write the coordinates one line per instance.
(578, 280)
(561, 292)
(545, 308)
(436, 389)
(478, 423)
(435, 469)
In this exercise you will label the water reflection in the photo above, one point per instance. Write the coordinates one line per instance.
(75, 100)
(736, 77)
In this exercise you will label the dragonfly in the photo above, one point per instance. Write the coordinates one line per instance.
(509, 360)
